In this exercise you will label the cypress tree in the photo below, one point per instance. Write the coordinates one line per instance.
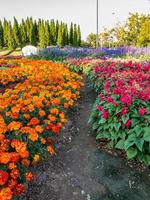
(79, 36)
(52, 32)
(67, 35)
(41, 33)
(71, 34)
(16, 32)
(75, 36)
(33, 33)
(5, 32)
(23, 33)
(57, 28)
(60, 35)
(47, 33)
(1, 35)
(11, 39)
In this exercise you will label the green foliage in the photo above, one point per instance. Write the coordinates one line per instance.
(42, 33)
(1, 35)
(134, 32)
(71, 37)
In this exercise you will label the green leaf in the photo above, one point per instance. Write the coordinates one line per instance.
(146, 136)
(146, 159)
(138, 130)
(117, 126)
(128, 143)
(131, 153)
(125, 118)
(120, 144)
(99, 136)
(139, 143)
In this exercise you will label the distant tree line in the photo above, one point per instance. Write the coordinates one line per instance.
(40, 33)
(134, 32)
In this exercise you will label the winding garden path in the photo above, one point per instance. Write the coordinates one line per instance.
(79, 171)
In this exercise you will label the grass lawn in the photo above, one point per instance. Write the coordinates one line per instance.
(6, 52)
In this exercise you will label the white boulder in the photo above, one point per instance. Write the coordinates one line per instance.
(29, 50)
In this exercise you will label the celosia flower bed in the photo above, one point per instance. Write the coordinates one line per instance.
(30, 115)
(121, 113)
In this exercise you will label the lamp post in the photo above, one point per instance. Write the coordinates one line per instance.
(97, 39)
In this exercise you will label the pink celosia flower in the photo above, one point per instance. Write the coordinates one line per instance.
(126, 99)
(124, 111)
(142, 111)
(105, 114)
(128, 123)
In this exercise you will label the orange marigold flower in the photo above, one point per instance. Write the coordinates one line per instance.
(39, 128)
(3, 177)
(34, 121)
(33, 136)
(12, 166)
(14, 126)
(36, 158)
(50, 149)
(14, 157)
(18, 145)
(4, 158)
(43, 141)
(24, 154)
(5, 194)
(12, 183)
(29, 176)
(25, 162)
(52, 118)
(15, 173)
(42, 113)
(19, 189)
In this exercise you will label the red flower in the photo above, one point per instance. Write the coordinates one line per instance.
(124, 111)
(142, 111)
(105, 114)
(99, 108)
(128, 123)
(126, 99)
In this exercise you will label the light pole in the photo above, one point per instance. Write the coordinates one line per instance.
(97, 39)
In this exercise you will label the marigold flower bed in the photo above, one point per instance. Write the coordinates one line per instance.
(30, 115)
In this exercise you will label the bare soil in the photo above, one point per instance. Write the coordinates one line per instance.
(81, 171)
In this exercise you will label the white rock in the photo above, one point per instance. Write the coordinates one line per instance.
(29, 50)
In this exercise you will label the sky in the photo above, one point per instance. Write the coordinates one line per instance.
(81, 12)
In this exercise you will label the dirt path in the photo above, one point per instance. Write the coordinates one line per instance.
(80, 172)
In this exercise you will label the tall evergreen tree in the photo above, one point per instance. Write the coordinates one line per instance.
(16, 32)
(79, 36)
(11, 44)
(23, 33)
(47, 33)
(60, 35)
(75, 36)
(1, 35)
(66, 34)
(57, 28)
(52, 32)
(71, 34)
(5, 32)
(41, 33)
